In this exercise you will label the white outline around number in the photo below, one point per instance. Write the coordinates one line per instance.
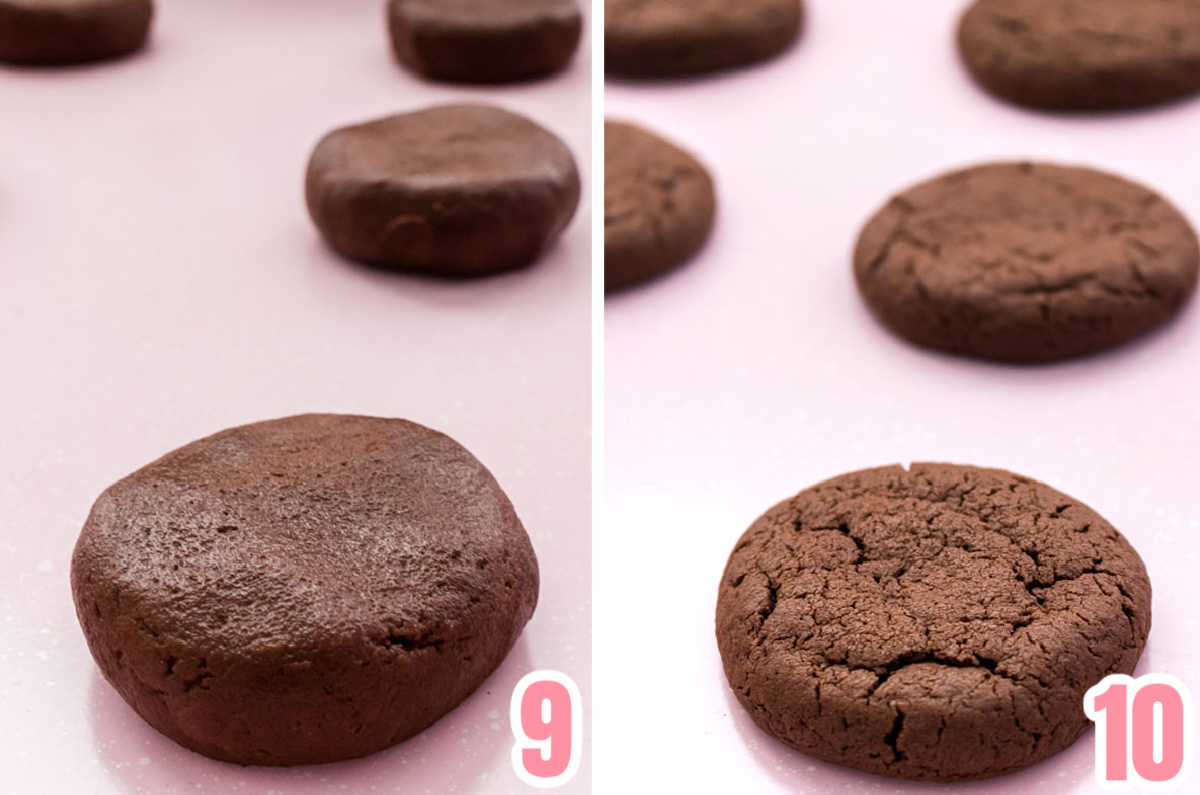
(1133, 780)
(522, 741)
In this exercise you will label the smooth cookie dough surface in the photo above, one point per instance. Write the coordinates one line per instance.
(63, 32)
(453, 190)
(1025, 262)
(938, 623)
(303, 590)
(484, 41)
(1083, 55)
(658, 206)
(674, 38)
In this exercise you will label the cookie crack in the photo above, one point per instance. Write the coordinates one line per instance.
(901, 235)
(766, 610)
(399, 640)
(844, 529)
(892, 738)
(201, 678)
(1141, 279)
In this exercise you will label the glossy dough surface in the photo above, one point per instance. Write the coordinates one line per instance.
(453, 190)
(303, 590)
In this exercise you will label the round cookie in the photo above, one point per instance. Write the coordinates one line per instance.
(1023, 262)
(62, 32)
(658, 206)
(484, 41)
(1083, 55)
(939, 623)
(303, 590)
(674, 38)
(454, 190)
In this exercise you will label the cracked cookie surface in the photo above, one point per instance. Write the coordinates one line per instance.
(1025, 262)
(671, 38)
(303, 590)
(659, 206)
(1083, 55)
(937, 623)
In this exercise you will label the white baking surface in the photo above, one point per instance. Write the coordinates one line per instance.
(756, 371)
(160, 280)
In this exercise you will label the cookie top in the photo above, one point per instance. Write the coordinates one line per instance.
(297, 570)
(484, 41)
(1083, 55)
(658, 205)
(63, 32)
(1026, 262)
(456, 190)
(671, 38)
(938, 623)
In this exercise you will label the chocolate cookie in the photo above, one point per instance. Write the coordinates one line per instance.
(1083, 54)
(455, 190)
(1025, 262)
(484, 41)
(939, 623)
(671, 38)
(658, 206)
(60, 32)
(304, 590)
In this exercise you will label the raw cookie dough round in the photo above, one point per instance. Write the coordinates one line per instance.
(454, 190)
(673, 38)
(61, 32)
(658, 206)
(1083, 55)
(939, 623)
(484, 41)
(303, 590)
(1023, 262)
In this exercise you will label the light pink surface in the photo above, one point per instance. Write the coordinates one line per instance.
(160, 280)
(757, 371)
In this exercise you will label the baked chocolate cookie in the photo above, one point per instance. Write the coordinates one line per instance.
(674, 38)
(454, 190)
(63, 32)
(939, 623)
(658, 206)
(1024, 262)
(303, 590)
(484, 41)
(1083, 55)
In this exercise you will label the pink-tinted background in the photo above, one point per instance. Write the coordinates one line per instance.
(757, 371)
(160, 280)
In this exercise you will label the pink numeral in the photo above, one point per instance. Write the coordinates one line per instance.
(1112, 702)
(546, 723)
(546, 716)
(1155, 734)
(1147, 698)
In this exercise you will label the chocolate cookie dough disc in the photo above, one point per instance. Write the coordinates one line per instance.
(303, 590)
(59, 32)
(1083, 54)
(939, 623)
(658, 206)
(672, 38)
(455, 190)
(484, 41)
(1025, 262)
